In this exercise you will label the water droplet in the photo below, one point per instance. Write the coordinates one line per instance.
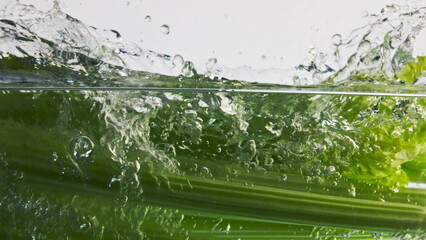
(365, 14)
(337, 39)
(188, 69)
(81, 147)
(284, 177)
(148, 18)
(165, 29)
(312, 50)
(263, 57)
(210, 63)
(314, 28)
(178, 61)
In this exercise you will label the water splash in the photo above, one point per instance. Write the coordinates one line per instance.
(378, 49)
(57, 39)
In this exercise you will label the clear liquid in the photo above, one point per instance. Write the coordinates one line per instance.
(194, 164)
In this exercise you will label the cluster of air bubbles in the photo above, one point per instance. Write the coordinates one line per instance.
(185, 68)
(352, 191)
(55, 156)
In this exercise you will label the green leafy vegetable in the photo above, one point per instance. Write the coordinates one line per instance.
(413, 70)
(200, 165)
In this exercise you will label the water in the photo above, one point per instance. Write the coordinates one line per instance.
(103, 159)
(98, 142)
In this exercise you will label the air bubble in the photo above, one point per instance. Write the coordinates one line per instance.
(337, 39)
(148, 18)
(205, 170)
(165, 29)
(81, 147)
(263, 57)
(113, 180)
(372, 19)
(82, 226)
(269, 162)
(352, 191)
(331, 169)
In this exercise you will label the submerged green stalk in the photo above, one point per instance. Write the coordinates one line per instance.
(72, 157)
